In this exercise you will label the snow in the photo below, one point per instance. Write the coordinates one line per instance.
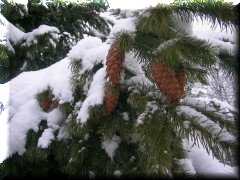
(166, 44)
(132, 64)
(30, 37)
(223, 109)
(91, 51)
(205, 165)
(95, 95)
(125, 116)
(22, 91)
(4, 134)
(122, 25)
(22, 118)
(13, 33)
(217, 37)
(9, 33)
(111, 145)
(46, 138)
(79, 50)
(54, 118)
(151, 107)
(94, 56)
(205, 122)
(117, 173)
(183, 24)
(187, 166)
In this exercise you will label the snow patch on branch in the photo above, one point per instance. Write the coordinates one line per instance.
(21, 123)
(205, 122)
(132, 64)
(54, 118)
(151, 107)
(46, 138)
(205, 164)
(78, 51)
(111, 145)
(122, 25)
(24, 112)
(223, 109)
(95, 95)
(187, 166)
(30, 37)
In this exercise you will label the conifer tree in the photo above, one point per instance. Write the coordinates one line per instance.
(72, 20)
(130, 113)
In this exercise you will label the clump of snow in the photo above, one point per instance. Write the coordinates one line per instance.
(92, 174)
(151, 107)
(187, 166)
(20, 123)
(30, 37)
(86, 137)
(122, 25)
(13, 33)
(62, 134)
(89, 51)
(46, 138)
(9, 33)
(54, 118)
(94, 56)
(95, 95)
(125, 116)
(79, 50)
(204, 163)
(117, 173)
(111, 145)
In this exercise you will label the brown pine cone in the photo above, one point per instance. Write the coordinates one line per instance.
(114, 64)
(111, 100)
(166, 81)
(45, 104)
(181, 77)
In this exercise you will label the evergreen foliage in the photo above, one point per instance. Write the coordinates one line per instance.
(146, 127)
(73, 20)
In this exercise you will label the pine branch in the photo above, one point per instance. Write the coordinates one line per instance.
(157, 20)
(228, 63)
(195, 74)
(191, 49)
(201, 128)
(214, 11)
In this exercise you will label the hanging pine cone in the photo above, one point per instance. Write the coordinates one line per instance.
(111, 100)
(48, 105)
(114, 68)
(166, 81)
(45, 104)
(114, 64)
(181, 77)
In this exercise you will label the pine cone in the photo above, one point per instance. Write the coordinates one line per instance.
(45, 105)
(181, 77)
(111, 100)
(166, 81)
(114, 63)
